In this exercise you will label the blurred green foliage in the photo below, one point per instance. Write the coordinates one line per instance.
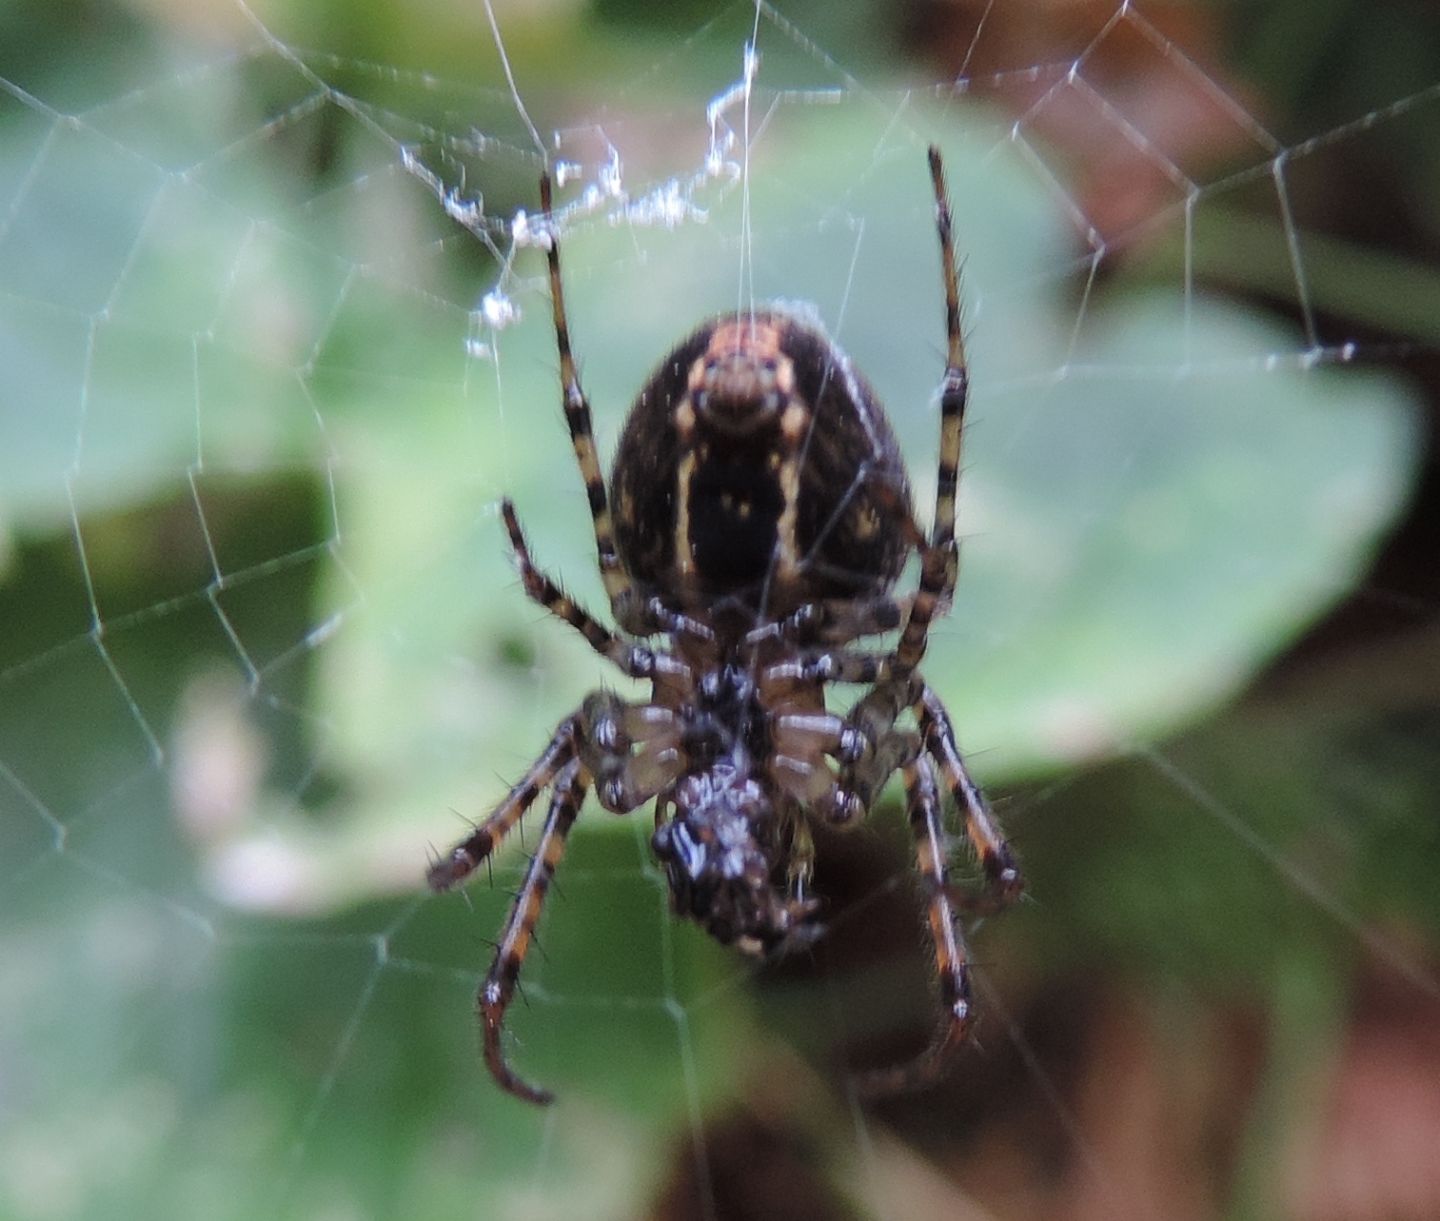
(241, 434)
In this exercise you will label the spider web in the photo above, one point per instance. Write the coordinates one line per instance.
(275, 339)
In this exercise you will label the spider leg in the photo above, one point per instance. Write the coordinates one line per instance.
(801, 866)
(499, 987)
(865, 742)
(862, 781)
(833, 666)
(1003, 881)
(467, 855)
(618, 586)
(951, 964)
(955, 387)
(635, 660)
(632, 751)
(656, 616)
(938, 564)
(874, 716)
(833, 621)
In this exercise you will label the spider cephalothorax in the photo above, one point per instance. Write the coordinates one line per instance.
(729, 849)
(762, 517)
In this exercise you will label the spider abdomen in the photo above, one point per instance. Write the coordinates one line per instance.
(757, 464)
(732, 509)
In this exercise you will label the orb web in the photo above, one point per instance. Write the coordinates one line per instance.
(275, 341)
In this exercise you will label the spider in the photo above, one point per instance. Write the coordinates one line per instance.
(761, 518)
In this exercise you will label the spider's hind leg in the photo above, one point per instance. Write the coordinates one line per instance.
(834, 621)
(939, 561)
(618, 586)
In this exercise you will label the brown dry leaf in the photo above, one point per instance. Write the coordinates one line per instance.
(1140, 104)
(1375, 1150)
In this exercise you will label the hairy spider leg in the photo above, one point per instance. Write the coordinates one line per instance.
(951, 963)
(633, 752)
(618, 586)
(469, 853)
(872, 749)
(595, 742)
(897, 686)
(916, 755)
(955, 389)
(833, 621)
(939, 567)
(635, 660)
(499, 987)
(1003, 881)
(835, 665)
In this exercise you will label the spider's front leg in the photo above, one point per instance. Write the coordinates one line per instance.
(627, 747)
(872, 749)
(632, 750)
(922, 799)
(499, 987)
(467, 856)
(1003, 881)
(557, 766)
(877, 748)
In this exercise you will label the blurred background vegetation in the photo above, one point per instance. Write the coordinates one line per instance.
(261, 386)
